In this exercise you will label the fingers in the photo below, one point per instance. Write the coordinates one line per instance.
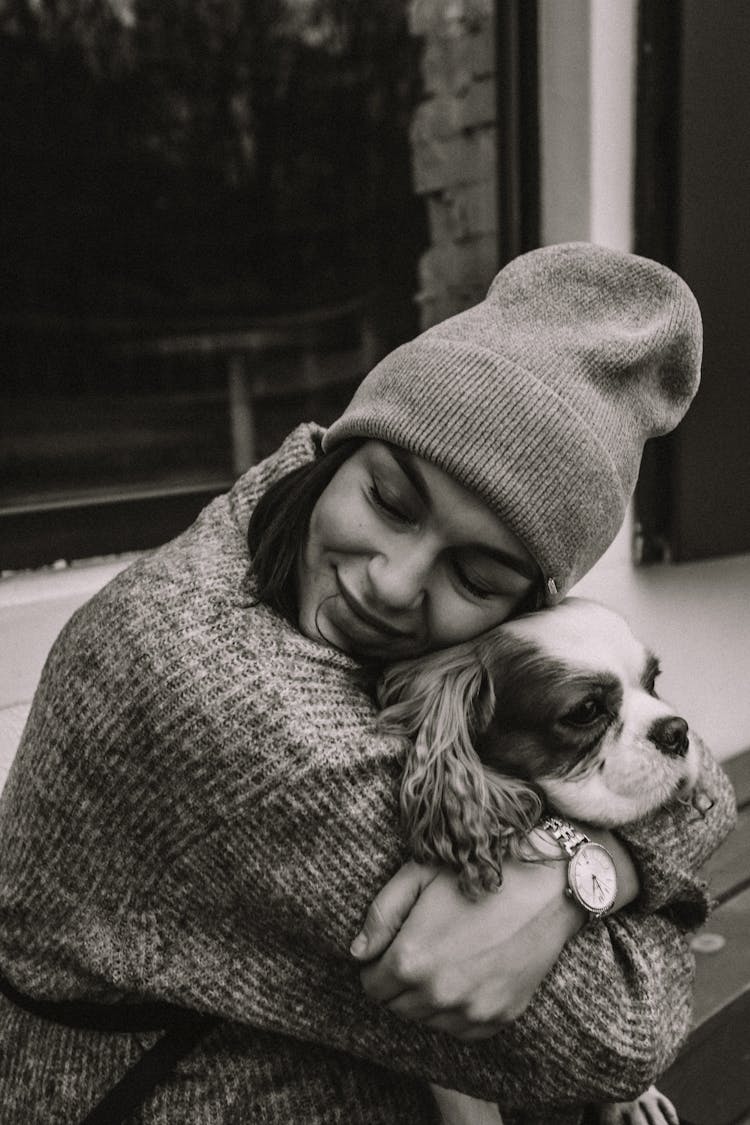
(400, 972)
(440, 1009)
(668, 1111)
(657, 1108)
(456, 1024)
(389, 910)
(622, 1113)
(458, 1028)
(651, 1108)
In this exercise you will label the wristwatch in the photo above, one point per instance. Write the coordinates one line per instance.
(592, 875)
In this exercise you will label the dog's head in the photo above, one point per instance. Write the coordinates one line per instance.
(559, 705)
(576, 712)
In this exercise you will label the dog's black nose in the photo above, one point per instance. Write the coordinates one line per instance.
(671, 736)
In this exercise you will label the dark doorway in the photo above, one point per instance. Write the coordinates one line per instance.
(692, 200)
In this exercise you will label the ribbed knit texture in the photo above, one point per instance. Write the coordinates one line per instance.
(541, 397)
(200, 811)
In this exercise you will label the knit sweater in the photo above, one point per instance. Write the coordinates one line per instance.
(201, 810)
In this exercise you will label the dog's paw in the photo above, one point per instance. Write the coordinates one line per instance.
(650, 1108)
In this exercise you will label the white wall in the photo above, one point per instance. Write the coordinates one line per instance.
(697, 615)
(587, 96)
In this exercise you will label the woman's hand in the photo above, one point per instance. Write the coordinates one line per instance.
(469, 967)
(650, 1108)
(459, 966)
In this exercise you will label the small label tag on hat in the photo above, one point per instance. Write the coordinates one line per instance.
(552, 587)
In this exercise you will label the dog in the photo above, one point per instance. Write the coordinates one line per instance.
(555, 708)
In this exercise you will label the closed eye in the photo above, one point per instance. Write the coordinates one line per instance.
(477, 589)
(389, 505)
(482, 574)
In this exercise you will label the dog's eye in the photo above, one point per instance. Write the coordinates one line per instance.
(585, 713)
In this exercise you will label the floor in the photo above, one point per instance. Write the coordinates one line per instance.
(710, 1082)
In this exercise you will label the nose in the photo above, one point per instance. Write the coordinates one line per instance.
(398, 579)
(670, 735)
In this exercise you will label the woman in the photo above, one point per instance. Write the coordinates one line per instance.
(201, 809)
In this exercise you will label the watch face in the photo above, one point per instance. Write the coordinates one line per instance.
(593, 878)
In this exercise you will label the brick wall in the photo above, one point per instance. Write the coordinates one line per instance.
(454, 153)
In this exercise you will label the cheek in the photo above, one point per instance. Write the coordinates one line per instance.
(324, 537)
(339, 521)
(454, 619)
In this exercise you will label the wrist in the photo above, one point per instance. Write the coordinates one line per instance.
(601, 876)
(569, 915)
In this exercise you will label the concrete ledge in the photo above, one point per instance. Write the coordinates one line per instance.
(12, 722)
(34, 606)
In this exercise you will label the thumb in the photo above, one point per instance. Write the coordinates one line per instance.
(390, 908)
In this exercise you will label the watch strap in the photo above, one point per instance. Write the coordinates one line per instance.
(568, 837)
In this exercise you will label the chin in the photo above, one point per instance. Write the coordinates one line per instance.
(555, 710)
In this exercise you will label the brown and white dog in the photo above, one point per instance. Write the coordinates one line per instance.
(555, 708)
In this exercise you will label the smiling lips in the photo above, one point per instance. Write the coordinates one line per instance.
(367, 618)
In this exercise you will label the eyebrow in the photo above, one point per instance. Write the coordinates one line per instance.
(525, 567)
(651, 667)
(606, 682)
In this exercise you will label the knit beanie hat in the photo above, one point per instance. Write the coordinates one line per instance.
(540, 398)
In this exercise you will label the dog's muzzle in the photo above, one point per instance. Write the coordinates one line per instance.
(670, 735)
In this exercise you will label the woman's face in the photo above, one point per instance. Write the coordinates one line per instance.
(400, 559)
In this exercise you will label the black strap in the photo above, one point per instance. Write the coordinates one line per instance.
(183, 1029)
(88, 1016)
(143, 1077)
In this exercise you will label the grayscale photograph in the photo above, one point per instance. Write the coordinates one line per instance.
(374, 562)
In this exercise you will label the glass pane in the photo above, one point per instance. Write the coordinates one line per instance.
(209, 232)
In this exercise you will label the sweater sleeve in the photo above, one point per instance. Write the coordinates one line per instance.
(670, 846)
(607, 1020)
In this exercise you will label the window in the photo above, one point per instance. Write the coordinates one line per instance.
(209, 234)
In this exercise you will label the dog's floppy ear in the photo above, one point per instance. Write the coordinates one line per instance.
(413, 693)
(454, 810)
